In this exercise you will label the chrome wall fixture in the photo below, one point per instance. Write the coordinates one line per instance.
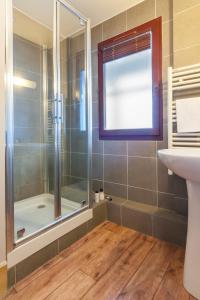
(58, 117)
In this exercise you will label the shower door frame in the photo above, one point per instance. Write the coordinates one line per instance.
(11, 243)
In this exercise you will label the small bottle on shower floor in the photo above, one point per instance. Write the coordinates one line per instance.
(101, 195)
(96, 197)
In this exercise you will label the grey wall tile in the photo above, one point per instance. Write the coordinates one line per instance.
(171, 228)
(99, 215)
(136, 219)
(115, 169)
(75, 115)
(27, 113)
(142, 196)
(79, 165)
(142, 172)
(114, 213)
(97, 145)
(114, 189)
(95, 115)
(172, 184)
(27, 55)
(72, 236)
(95, 88)
(36, 260)
(142, 148)
(11, 277)
(97, 166)
(115, 147)
(173, 202)
(96, 36)
(96, 185)
(78, 141)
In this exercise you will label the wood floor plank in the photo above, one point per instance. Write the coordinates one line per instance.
(144, 284)
(45, 284)
(111, 284)
(171, 287)
(100, 264)
(94, 234)
(73, 288)
(111, 262)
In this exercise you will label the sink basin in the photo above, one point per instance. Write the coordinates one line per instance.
(186, 163)
(183, 162)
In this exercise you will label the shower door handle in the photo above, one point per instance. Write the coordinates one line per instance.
(57, 115)
(60, 108)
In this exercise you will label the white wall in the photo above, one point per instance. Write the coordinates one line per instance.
(2, 134)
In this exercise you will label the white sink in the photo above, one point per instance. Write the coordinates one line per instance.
(186, 163)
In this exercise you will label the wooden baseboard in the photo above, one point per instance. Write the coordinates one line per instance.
(3, 280)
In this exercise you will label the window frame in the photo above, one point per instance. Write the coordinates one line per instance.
(155, 133)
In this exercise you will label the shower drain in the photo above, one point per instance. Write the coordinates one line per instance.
(41, 206)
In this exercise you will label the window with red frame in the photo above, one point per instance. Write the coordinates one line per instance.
(130, 84)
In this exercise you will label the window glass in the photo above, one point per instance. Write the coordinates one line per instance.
(128, 92)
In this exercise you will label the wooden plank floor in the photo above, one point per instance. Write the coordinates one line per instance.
(111, 262)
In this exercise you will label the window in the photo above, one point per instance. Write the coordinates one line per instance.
(130, 84)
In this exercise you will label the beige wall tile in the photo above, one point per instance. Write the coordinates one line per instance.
(180, 5)
(186, 28)
(188, 56)
(141, 13)
(114, 26)
(167, 37)
(167, 61)
(164, 8)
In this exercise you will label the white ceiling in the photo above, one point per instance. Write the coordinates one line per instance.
(97, 10)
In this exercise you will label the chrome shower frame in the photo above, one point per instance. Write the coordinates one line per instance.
(11, 244)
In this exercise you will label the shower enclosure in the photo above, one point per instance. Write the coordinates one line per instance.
(48, 116)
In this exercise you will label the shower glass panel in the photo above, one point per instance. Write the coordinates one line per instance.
(48, 138)
(74, 142)
(33, 170)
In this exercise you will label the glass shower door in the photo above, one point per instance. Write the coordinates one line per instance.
(47, 117)
(33, 120)
(74, 128)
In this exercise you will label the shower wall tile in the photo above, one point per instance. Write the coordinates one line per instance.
(27, 113)
(78, 141)
(27, 55)
(27, 169)
(79, 165)
(29, 190)
(27, 135)
(28, 93)
(75, 115)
